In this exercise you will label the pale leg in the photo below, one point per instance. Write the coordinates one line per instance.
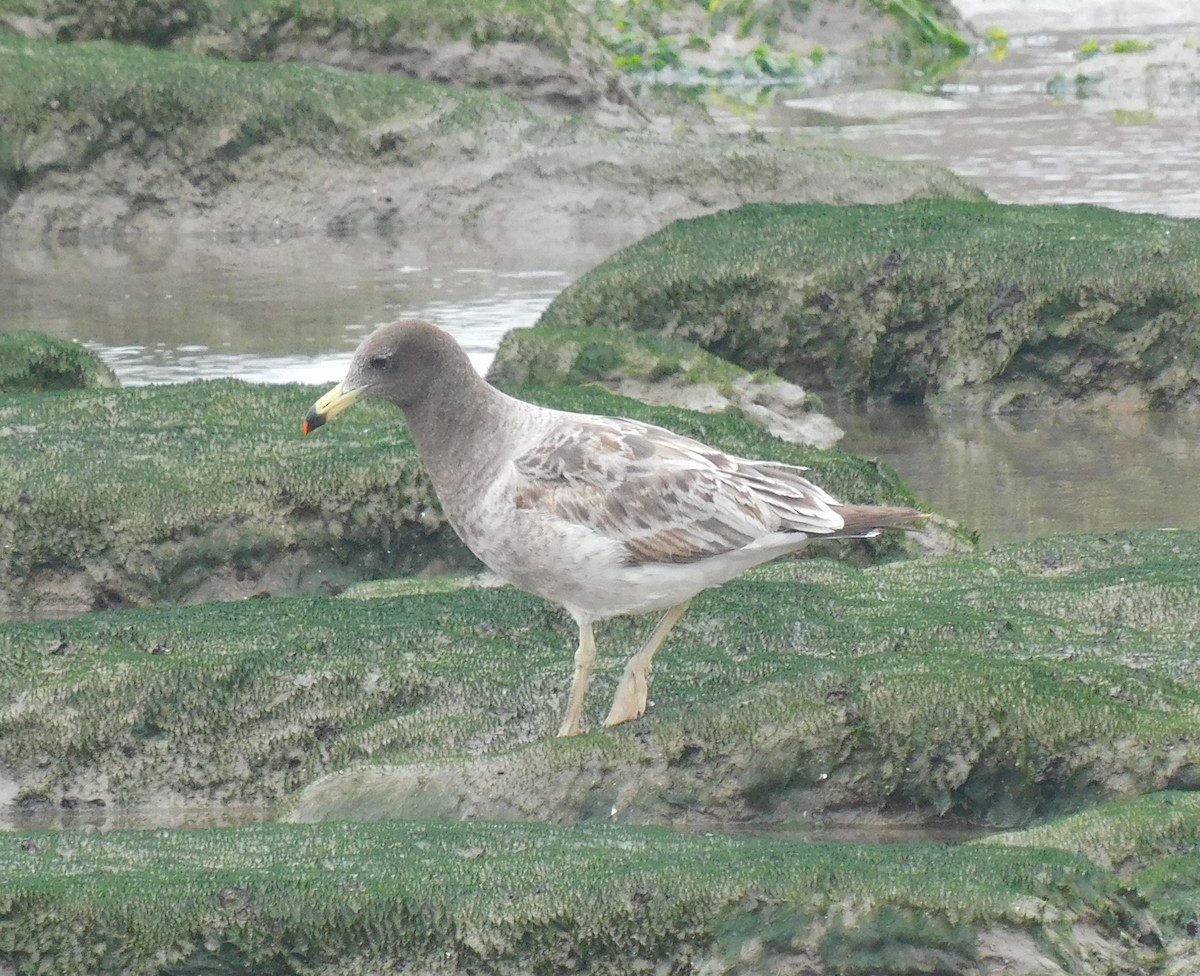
(633, 691)
(585, 658)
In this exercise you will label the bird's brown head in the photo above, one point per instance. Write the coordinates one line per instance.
(396, 363)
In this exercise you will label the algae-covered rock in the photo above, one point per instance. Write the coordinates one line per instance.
(1001, 687)
(1152, 844)
(33, 361)
(522, 898)
(1123, 837)
(938, 301)
(140, 133)
(661, 370)
(201, 491)
(169, 141)
(208, 491)
(541, 50)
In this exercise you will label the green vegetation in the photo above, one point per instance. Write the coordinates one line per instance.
(553, 357)
(660, 369)
(1143, 116)
(257, 28)
(1018, 684)
(249, 700)
(1131, 45)
(637, 34)
(1152, 842)
(33, 361)
(1003, 687)
(139, 495)
(1124, 837)
(933, 300)
(134, 496)
(262, 25)
(153, 22)
(763, 18)
(511, 898)
(66, 105)
(927, 31)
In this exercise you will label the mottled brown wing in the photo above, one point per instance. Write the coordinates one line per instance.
(666, 498)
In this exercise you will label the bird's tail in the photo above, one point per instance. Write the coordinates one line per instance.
(866, 521)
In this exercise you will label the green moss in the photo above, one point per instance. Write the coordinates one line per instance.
(1003, 687)
(553, 357)
(153, 22)
(891, 940)
(261, 25)
(664, 369)
(552, 25)
(595, 360)
(135, 495)
(10, 178)
(33, 361)
(510, 898)
(925, 300)
(1152, 842)
(984, 688)
(67, 104)
(1125, 837)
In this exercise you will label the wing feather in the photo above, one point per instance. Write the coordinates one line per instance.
(665, 497)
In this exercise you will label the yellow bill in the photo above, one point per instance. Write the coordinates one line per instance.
(329, 406)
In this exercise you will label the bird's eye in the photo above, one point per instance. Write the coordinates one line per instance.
(378, 361)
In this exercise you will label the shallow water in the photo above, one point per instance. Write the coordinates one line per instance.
(272, 311)
(1027, 475)
(151, 817)
(148, 817)
(1043, 124)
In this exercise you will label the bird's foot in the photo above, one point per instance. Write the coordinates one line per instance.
(570, 727)
(630, 700)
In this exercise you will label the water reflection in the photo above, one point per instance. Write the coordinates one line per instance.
(869, 831)
(136, 818)
(271, 311)
(1042, 124)
(1026, 475)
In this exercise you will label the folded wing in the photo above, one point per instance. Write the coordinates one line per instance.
(664, 497)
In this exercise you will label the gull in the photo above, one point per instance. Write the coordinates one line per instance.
(602, 515)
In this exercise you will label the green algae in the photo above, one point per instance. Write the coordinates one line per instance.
(951, 687)
(933, 300)
(926, 688)
(66, 105)
(179, 493)
(554, 357)
(1123, 837)
(1005, 686)
(1152, 843)
(507, 898)
(128, 496)
(264, 23)
(33, 361)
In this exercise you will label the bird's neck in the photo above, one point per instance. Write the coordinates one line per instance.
(457, 426)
